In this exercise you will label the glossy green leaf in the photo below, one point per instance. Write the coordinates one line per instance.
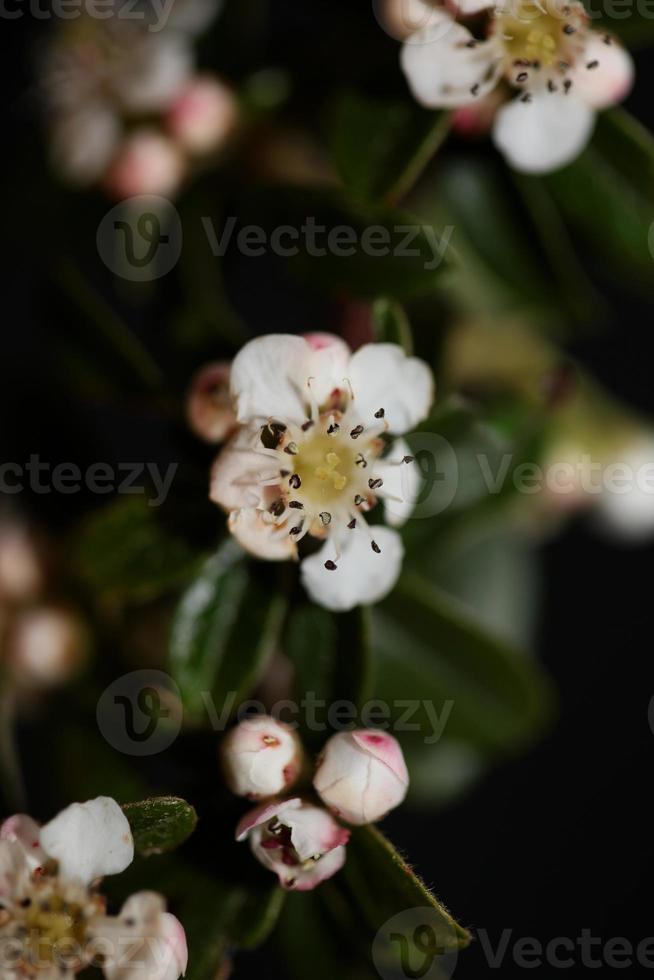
(223, 630)
(160, 824)
(461, 680)
(381, 147)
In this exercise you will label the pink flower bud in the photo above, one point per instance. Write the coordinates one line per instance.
(261, 758)
(147, 163)
(209, 405)
(301, 843)
(20, 570)
(361, 775)
(46, 646)
(203, 116)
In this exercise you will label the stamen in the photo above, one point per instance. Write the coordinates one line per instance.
(296, 530)
(356, 432)
(296, 505)
(277, 508)
(334, 427)
(325, 517)
(284, 473)
(291, 449)
(358, 500)
(380, 413)
(375, 547)
(361, 461)
(592, 64)
(307, 425)
(331, 566)
(376, 483)
(352, 524)
(295, 482)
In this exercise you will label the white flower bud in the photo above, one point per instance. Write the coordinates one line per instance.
(261, 758)
(20, 570)
(46, 646)
(301, 843)
(361, 775)
(209, 405)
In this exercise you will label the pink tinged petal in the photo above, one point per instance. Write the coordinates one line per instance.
(544, 134)
(446, 68)
(144, 943)
(203, 116)
(402, 483)
(238, 470)
(261, 539)
(323, 869)
(147, 162)
(21, 576)
(89, 840)
(314, 831)
(327, 365)
(173, 934)
(262, 814)
(26, 832)
(383, 377)
(362, 576)
(261, 757)
(611, 76)
(386, 748)
(269, 377)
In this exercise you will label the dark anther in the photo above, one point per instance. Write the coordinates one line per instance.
(296, 505)
(375, 547)
(356, 432)
(352, 524)
(295, 482)
(295, 530)
(522, 77)
(592, 64)
(358, 500)
(475, 89)
(375, 484)
(526, 97)
(291, 449)
(380, 414)
(334, 427)
(551, 86)
(361, 460)
(307, 425)
(325, 517)
(278, 508)
(330, 566)
(284, 473)
(408, 459)
(569, 29)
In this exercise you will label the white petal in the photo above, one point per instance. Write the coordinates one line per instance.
(442, 70)
(144, 943)
(612, 79)
(259, 538)
(237, 471)
(544, 134)
(89, 840)
(84, 142)
(327, 365)
(402, 483)
(158, 70)
(14, 869)
(382, 376)
(361, 575)
(269, 377)
(323, 869)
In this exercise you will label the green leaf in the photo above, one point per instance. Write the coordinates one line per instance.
(381, 148)
(433, 653)
(223, 631)
(125, 553)
(381, 885)
(332, 656)
(160, 824)
(391, 324)
(607, 197)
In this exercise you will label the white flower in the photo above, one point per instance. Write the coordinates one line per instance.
(563, 71)
(309, 458)
(626, 509)
(52, 919)
(203, 115)
(209, 406)
(261, 758)
(147, 162)
(361, 775)
(301, 843)
(45, 645)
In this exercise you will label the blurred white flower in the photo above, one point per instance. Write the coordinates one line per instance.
(562, 69)
(209, 404)
(46, 645)
(309, 458)
(261, 758)
(361, 775)
(301, 843)
(203, 115)
(147, 162)
(626, 509)
(50, 914)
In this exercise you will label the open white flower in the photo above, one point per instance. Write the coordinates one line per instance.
(310, 457)
(563, 71)
(53, 921)
(301, 843)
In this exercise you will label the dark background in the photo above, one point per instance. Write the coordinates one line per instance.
(551, 844)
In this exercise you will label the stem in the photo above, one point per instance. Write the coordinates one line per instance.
(420, 160)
